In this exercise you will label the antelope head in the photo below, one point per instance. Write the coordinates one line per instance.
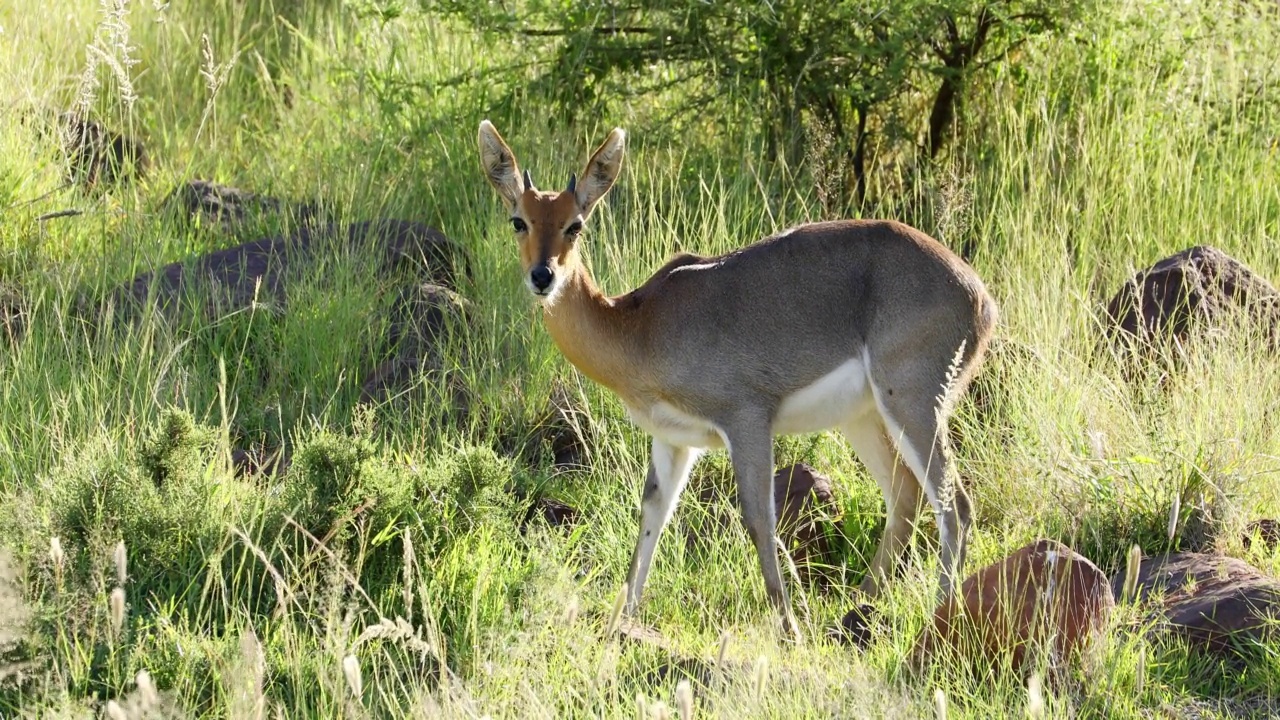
(547, 224)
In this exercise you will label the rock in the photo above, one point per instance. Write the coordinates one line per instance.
(800, 499)
(670, 664)
(1187, 291)
(1265, 531)
(418, 260)
(13, 313)
(236, 276)
(1216, 603)
(1042, 592)
(99, 155)
(561, 435)
(855, 627)
(985, 404)
(229, 206)
(392, 380)
(248, 462)
(801, 496)
(552, 511)
(420, 318)
(423, 314)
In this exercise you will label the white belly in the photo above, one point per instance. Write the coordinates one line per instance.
(830, 401)
(676, 427)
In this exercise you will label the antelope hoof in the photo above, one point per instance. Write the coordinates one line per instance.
(791, 629)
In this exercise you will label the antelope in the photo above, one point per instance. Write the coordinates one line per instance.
(869, 327)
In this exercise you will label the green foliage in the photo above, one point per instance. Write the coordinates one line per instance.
(177, 449)
(866, 76)
(1085, 143)
(98, 499)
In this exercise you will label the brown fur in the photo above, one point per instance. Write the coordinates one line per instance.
(727, 340)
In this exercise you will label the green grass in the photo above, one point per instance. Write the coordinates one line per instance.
(392, 538)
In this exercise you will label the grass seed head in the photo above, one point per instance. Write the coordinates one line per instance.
(684, 700)
(761, 678)
(1035, 696)
(618, 604)
(571, 611)
(724, 648)
(56, 555)
(117, 608)
(121, 557)
(147, 689)
(351, 668)
(1130, 587)
(1140, 674)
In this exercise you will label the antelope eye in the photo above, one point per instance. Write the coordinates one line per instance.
(519, 225)
(574, 230)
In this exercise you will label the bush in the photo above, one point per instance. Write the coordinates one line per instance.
(176, 450)
(164, 506)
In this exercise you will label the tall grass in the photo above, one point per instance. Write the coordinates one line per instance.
(382, 574)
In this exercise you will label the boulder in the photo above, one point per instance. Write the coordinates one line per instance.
(233, 278)
(1190, 290)
(99, 155)
(985, 404)
(13, 313)
(1218, 604)
(415, 261)
(257, 460)
(561, 435)
(1043, 595)
(424, 314)
(229, 206)
(420, 319)
(1264, 532)
(553, 512)
(393, 379)
(856, 626)
(801, 495)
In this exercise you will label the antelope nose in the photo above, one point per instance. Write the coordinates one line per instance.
(541, 277)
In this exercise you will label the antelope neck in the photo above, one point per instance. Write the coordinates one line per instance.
(596, 334)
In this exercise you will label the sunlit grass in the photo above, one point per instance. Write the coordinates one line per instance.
(366, 567)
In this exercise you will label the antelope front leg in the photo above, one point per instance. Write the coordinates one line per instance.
(669, 468)
(751, 451)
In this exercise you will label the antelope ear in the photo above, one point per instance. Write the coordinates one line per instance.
(499, 164)
(602, 169)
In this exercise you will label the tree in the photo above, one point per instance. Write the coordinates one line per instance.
(845, 65)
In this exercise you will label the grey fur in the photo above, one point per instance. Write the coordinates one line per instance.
(733, 335)
(727, 339)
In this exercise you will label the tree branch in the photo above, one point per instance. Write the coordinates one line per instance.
(601, 30)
